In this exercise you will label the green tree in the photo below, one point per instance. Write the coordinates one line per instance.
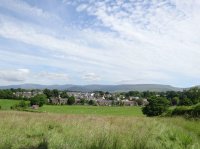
(71, 100)
(64, 94)
(185, 102)
(156, 106)
(82, 101)
(175, 101)
(92, 102)
(193, 94)
(39, 99)
(47, 92)
(55, 93)
(22, 104)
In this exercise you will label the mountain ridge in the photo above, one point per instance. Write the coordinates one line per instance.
(99, 87)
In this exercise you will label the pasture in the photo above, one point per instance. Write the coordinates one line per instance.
(93, 110)
(27, 130)
(7, 103)
(93, 127)
(78, 109)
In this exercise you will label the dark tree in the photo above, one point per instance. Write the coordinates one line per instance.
(55, 93)
(185, 102)
(71, 100)
(39, 99)
(156, 106)
(175, 101)
(91, 102)
(64, 94)
(47, 92)
(82, 101)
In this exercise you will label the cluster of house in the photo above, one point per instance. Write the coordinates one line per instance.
(27, 94)
(101, 100)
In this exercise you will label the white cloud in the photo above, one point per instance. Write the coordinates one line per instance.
(81, 7)
(18, 75)
(23, 8)
(146, 41)
(91, 77)
(52, 76)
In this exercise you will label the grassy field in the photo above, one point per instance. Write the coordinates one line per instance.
(26, 130)
(91, 127)
(7, 103)
(93, 110)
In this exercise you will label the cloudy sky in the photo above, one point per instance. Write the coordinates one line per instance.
(100, 42)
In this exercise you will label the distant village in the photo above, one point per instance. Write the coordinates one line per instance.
(97, 98)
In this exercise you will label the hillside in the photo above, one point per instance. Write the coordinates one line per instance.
(109, 88)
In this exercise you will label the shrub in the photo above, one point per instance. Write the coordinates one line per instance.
(0, 107)
(82, 101)
(40, 100)
(71, 100)
(182, 110)
(191, 111)
(92, 102)
(196, 110)
(175, 101)
(185, 102)
(22, 104)
(156, 106)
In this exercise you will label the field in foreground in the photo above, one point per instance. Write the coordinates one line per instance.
(23, 130)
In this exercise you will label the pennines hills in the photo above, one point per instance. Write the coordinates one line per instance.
(97, 87)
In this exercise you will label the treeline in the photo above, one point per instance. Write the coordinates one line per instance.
(11, 93)
(187, 103)
(187, 97)
(179, 98)
(188, 111)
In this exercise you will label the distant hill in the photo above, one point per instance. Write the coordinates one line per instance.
(109, 88)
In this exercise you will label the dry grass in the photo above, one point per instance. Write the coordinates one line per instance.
(22, 130)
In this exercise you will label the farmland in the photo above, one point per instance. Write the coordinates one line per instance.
(76, 109)
(94, 127)
(47, 130)
(6, 103)
(93, 110)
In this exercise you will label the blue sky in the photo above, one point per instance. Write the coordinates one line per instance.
(100, 42)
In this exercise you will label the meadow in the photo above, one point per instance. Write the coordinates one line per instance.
(93, 110)
(78, 109)
(77, 127)
(7, 103)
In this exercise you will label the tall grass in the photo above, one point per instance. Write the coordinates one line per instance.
(22, 130)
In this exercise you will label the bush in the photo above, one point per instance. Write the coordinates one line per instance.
(191, 111)
(82, 101)
(182, 110)
(40, 100)
(22, 104)
(156, 106)
(71, 100)
(196, 110)
(185, 102)
(92, 102)
(0, 107)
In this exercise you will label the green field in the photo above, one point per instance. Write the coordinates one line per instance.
(27, 130)
(93, 110)
(80, 127)
(6, 103)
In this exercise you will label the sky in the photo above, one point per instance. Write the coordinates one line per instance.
(100, 42)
